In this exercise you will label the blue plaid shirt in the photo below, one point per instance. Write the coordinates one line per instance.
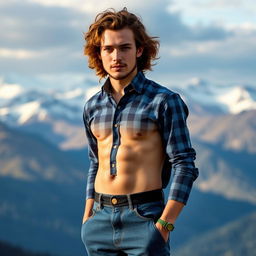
(145, 105)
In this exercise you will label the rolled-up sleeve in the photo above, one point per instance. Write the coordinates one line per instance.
(178, 147)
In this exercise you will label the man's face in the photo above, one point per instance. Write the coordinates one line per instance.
(119, 54)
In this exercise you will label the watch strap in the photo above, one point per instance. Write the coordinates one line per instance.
(167, 225)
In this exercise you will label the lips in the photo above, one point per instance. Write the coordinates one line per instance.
(117, 66)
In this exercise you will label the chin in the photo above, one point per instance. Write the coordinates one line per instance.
(119, 76)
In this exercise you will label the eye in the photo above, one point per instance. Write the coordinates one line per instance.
(125, 48)
(107, 49)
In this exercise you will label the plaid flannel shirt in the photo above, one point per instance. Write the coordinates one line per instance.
(144, 105)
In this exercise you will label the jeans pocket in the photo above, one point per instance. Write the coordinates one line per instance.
(159, 233)
(95, 209)
(93, 213)
(149, 211)
(140, 215)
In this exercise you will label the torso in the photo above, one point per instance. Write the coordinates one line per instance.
(130, 137)
(139, 160)
(139, 164)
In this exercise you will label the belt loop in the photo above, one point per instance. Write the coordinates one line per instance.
(100, 201)
(130, 202)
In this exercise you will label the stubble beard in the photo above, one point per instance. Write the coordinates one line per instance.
(118, 78)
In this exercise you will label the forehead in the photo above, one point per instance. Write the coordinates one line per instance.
(117, 37)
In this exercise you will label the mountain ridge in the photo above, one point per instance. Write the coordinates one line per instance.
(234, 239)
(24, 156)
(19, 105)
(229, 173)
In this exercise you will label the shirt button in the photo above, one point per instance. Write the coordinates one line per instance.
(115, 146)
(113, 165)
(116, 125)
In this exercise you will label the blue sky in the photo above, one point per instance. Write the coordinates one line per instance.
(211, 39)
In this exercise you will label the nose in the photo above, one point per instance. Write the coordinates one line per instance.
(116, 55)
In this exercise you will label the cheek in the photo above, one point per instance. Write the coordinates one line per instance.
(105, 61)
(133, 59)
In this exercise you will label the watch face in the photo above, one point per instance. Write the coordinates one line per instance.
(170, 227)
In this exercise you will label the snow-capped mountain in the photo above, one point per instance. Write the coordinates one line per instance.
(19, 105)
(36, 106)
(227, 99)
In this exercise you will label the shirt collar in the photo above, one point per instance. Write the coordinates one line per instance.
(137, 84)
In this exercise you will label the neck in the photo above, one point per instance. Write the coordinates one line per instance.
(118, 85)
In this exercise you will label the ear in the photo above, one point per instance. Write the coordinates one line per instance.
(139, 52)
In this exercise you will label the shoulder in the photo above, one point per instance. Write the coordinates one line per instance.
(92, 100)
(169, 99)
(90, 104)
(154, 88)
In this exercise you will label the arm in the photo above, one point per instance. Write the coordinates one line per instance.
(88, 209)
(181, 155)
(170, 214)
(93, 158)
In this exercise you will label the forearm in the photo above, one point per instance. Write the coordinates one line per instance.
(172, 211)
(170, 214)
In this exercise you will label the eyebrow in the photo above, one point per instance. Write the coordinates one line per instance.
(119, 45)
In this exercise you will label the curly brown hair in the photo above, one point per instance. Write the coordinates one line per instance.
(110, 19)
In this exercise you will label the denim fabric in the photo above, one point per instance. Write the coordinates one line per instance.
(127, 230)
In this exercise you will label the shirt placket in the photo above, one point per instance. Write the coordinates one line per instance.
(116, 132)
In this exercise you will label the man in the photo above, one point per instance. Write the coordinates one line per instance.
(137, 134)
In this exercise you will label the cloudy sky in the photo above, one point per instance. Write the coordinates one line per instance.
(211, 39)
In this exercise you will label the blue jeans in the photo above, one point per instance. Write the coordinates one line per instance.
(126, 230)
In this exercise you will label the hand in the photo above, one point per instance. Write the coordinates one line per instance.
(163, 232)
(85, 219)
(88, 209)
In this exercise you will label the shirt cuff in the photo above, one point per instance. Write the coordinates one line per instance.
(181, 186)
(90, 194)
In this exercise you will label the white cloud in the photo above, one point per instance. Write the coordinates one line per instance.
(243, 28)
(237, 46)
(43, 36)
(91, 7)
(224, 12)
(8, 91)
(18, 53)
(54, 52)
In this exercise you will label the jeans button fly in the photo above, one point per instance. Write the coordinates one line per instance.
(114, 201)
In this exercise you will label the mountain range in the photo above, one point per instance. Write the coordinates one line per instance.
(232, 99)
(43, 167)
(235, 239)
(45, 200)
(56, 114)
(7, 249)
(42, 193)
(19, 105)
(26, 156)
(232, 132)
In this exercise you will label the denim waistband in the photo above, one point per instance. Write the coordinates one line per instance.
(130, 199)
